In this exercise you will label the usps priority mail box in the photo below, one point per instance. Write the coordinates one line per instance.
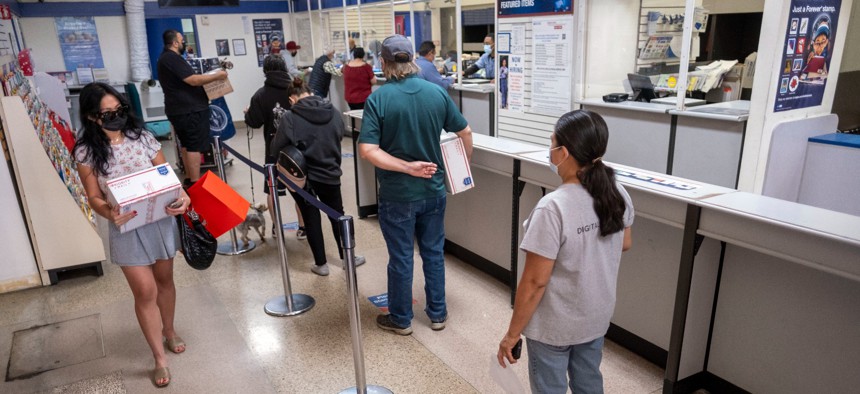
(148, 192)
(458, 174)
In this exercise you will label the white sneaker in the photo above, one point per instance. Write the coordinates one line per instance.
(321, 270)
(359, 260)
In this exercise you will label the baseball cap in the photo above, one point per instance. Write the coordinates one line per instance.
(293, 46)
(398, 49)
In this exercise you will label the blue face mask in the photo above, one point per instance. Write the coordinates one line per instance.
(487, 49)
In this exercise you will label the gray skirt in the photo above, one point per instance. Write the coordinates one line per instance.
(143, 245)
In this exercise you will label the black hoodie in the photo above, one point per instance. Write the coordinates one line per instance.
(315, 127)
(274, 91)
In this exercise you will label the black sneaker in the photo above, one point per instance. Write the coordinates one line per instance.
(384, 322)
(438, 325)
(301, 234)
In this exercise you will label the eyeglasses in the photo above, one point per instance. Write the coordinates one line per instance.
(108, 116)
(820, 43)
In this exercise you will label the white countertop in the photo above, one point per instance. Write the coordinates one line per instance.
(835, 225)
(503, 146)
(356, 113)
(628, 105)
(478, 88)
(737, 111)
(642, 179)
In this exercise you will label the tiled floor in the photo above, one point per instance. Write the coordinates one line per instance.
(233, 346)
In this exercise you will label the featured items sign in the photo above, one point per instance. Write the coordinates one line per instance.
(810, 32)
(79, 42)
(534, 7)
(269, 37)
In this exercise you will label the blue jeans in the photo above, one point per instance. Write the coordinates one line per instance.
(550, 366)
(401, 223)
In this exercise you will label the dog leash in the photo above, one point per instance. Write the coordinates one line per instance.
(250, 135)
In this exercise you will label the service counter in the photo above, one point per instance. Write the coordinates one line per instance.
(703, 143)
(722, 288)
(477, 103)
(365, 173)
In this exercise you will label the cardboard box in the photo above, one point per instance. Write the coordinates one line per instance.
(458, 174)
(217, 89)
(220, 207)
(148, 192)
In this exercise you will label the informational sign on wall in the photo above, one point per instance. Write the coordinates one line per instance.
(552, 65)
(268, 37)
(517, 8)
(79, 42)
(809, 42)
(511, 75)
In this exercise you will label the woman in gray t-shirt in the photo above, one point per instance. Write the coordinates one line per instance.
(573, 242)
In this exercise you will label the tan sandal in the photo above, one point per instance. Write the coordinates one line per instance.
(159, 374)
(175, 342)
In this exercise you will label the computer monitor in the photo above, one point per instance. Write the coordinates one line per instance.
(643, 89)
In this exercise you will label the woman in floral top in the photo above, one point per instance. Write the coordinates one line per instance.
(112, 144)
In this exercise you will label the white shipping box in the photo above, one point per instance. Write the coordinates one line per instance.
(458, 174)
(148, 192)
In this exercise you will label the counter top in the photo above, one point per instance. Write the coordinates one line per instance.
(736, 111)
(505, 147)
(629, 105)
(355, 113)
(822, 222)
(473, 87)
(641, 179)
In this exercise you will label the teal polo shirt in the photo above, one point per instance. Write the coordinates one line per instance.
(406, 118)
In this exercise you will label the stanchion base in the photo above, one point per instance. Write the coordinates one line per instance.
(226, 248)
(277, 306)
(371, 389)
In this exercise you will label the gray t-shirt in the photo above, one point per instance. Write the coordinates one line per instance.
(580, 297)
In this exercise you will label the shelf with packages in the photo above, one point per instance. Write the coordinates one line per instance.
(61, 225)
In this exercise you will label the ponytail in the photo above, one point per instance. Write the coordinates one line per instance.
(585, 135)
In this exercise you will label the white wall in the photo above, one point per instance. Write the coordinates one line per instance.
(40, 34)
(246, 77)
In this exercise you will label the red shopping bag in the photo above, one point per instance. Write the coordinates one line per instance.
(218, 204)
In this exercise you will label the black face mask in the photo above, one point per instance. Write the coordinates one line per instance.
(115, 124)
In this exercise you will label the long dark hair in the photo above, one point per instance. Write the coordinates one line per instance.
(585, 135)
(93, 141)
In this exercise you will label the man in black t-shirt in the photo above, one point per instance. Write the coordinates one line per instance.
(185, 102)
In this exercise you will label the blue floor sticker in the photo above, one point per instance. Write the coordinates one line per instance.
(347, 155)
(291, 226)
(381, 301)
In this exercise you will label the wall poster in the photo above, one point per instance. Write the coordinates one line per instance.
(552, 65)
(516, 8)
(79, 42)
(809, 34)
(511, 74)
(268, 37)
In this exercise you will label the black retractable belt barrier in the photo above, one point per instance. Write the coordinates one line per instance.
(294, 304)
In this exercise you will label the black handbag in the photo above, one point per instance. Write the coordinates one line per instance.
(197, 244)
(291, 163)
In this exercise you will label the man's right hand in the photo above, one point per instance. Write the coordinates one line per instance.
(221, 74)
(421, 169)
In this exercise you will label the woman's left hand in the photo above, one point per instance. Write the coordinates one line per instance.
(505, 346)
(184, 207)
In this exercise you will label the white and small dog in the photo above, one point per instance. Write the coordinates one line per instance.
(256, 220)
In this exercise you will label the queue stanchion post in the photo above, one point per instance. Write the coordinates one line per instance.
(231, 248)
(347, 231)
(288, 304)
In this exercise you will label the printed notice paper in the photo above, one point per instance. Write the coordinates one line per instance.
(552, 59)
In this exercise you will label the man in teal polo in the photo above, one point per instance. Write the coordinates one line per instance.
(400, 135)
